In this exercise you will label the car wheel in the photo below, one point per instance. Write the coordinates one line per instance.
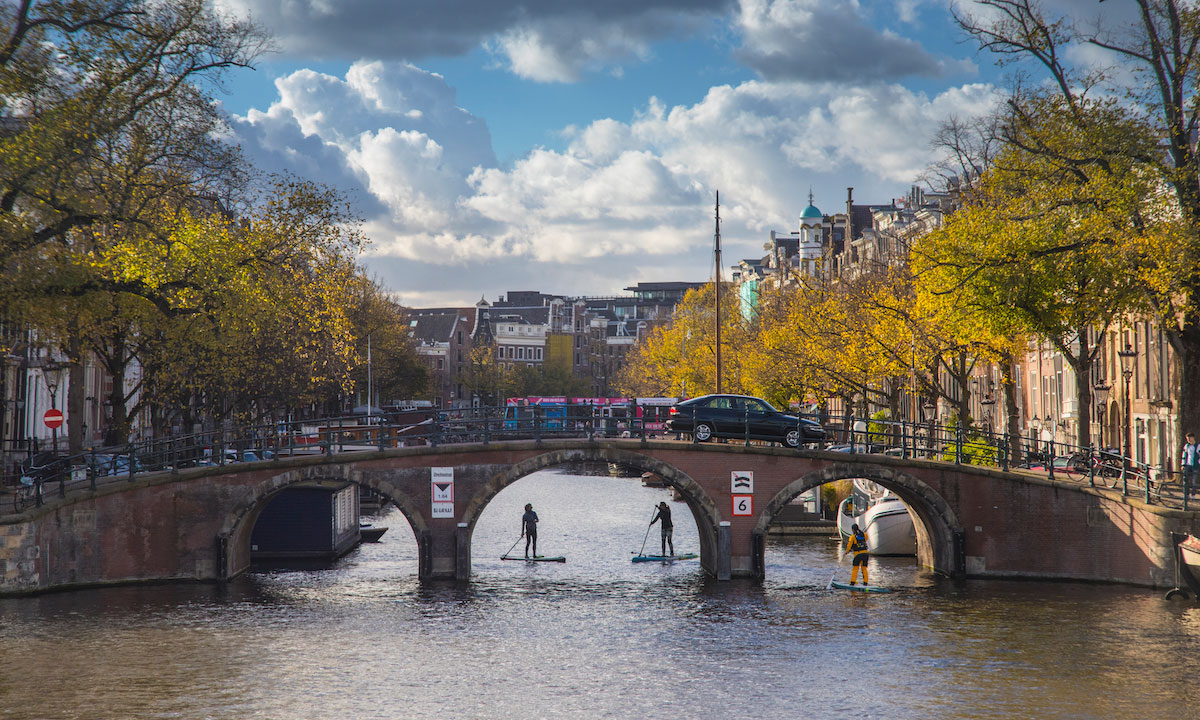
(703, 432)
(792, 438)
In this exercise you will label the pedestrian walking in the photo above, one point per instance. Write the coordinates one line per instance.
(1189, 462)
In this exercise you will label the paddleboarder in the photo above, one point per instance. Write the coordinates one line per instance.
(529, 523)
(668, 528)
(857, 544)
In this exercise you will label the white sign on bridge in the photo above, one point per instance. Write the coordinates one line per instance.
(442, 491)
(741, 481)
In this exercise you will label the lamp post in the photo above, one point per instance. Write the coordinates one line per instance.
(930, 408)
(1127, 357)
(1100, 390)
(51, 375)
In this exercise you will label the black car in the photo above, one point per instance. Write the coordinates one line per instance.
(729, 416)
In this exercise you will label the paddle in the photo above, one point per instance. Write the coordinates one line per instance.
(835, 572)
(506, 552)
(647, 535)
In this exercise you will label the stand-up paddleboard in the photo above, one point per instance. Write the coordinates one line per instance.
(664, 558)
(859, 588)
(536, 558)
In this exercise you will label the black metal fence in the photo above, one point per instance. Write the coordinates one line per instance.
(41, 475)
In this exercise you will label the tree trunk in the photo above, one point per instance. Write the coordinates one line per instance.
(117, 432)
(76, 396)
(1082, 365)
(961, 371)
(1187, 390)
(1012, 414)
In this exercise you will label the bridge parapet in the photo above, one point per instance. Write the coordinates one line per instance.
(195, 524)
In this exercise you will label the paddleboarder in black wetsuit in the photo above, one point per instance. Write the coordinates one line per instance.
(668, 528)
(857, 544)
(529, 523)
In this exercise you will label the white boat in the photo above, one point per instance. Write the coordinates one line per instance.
(882, 516)
(1189, 550)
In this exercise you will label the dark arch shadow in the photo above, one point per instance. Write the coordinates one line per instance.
(234, 537)
(704, 510)
(939, 532)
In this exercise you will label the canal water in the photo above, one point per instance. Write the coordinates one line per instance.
(597, 636)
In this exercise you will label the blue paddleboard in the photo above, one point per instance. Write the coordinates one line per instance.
(859, 588)
(664, 558)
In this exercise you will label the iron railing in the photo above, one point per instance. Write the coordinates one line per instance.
(42, 475)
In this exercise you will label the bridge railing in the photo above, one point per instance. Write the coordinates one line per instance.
(43, 475)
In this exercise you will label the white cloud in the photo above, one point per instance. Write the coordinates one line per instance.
(621, 195)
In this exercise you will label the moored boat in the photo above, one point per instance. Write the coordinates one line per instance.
(650, 479)
(882, 516)
(371, 533)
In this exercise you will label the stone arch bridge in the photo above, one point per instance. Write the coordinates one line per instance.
(971, 521)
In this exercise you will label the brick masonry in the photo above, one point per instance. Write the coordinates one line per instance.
(976, 522)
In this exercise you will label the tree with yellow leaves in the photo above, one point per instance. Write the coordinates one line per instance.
(1042, 245)
(679, 357)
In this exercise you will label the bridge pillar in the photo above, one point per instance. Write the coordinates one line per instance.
(724, 551)
(758, 553)
(462, 559)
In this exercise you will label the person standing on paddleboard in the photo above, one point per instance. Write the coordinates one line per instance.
(857, 544)
(668, 528)
(529, 523)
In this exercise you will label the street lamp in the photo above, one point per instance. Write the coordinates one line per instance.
(51, 375)
(1100, 390)
(1127, 357)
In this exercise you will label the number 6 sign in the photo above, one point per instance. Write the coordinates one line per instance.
(743, 505)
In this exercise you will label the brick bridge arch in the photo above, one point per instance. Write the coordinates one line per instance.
(233, 539)
(939, 531)
(699, 501)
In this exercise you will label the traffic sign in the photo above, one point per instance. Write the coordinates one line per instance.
(53, 418)
(743, 505)
(741, 481)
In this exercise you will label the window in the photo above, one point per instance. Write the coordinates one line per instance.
(539, 353)
(441, 364)
(520, 353)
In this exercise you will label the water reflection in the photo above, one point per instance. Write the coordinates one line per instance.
(598, 636)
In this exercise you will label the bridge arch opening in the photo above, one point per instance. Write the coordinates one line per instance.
(236, 539)
(938, 530)
(686, 490)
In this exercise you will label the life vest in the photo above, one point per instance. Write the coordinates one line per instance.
(858, 542)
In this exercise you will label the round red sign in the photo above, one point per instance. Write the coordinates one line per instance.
(53, 419)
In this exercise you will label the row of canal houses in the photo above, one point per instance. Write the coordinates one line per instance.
(1134, 353)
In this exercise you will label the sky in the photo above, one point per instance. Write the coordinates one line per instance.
(577, 146)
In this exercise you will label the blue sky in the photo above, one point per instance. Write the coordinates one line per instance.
(575, 147)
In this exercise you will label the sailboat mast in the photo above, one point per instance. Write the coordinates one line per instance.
(717, 285)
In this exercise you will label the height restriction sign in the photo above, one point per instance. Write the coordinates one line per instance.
(442, 487)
